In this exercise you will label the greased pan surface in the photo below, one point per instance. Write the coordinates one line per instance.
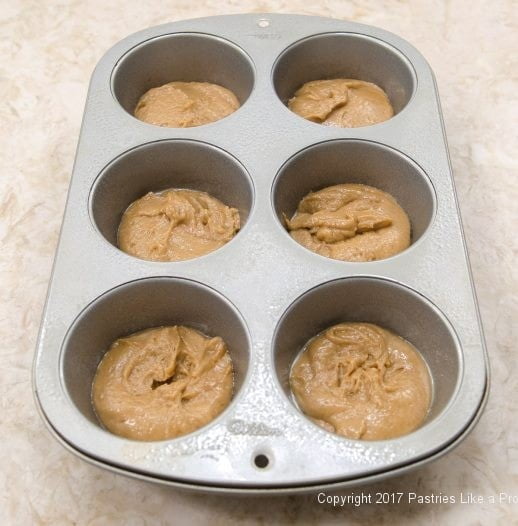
(262, 292)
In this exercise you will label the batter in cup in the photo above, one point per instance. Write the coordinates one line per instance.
(362, 382)
(162, 383)
(344, 103)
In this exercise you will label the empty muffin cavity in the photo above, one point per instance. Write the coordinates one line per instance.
(199, 65)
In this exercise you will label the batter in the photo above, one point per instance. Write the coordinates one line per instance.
(175, 225)
(362, 382)
(162, 383)
(185, 104)
(350, 222)
(345, 103)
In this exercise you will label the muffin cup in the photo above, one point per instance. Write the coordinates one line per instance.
(381, 302)
(186, 57)
(139, 305)
(345, 56)
(362, 162)
(162, 165)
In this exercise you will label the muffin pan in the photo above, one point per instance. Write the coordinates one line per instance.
(265, 294)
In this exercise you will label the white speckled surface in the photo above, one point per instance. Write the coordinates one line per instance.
(48, 51)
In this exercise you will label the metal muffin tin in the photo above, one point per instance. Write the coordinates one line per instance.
(265, 294)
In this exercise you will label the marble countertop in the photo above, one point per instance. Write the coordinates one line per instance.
(48, 51)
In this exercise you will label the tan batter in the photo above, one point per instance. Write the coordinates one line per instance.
(175, 225)
(350, 222)
(162, 383)
(362, 382)
(185, 104)
(346, 103)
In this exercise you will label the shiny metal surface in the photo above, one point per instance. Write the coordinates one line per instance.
(264, 293)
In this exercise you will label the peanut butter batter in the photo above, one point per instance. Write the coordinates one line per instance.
(185, 104)
(162, 383)
(350, 222)
(362, 382)
(345, 103)
(175, 225)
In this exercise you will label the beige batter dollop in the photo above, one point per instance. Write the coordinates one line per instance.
(176, 225)
(185, 104)
(350, 222)
(346, 103)
(162, 383)
(362, 382)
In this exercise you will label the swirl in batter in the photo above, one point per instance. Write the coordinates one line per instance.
(185, 104)
(345, 103)
(362, 382)
(162, 383)
(176, 225)
(350, 222)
